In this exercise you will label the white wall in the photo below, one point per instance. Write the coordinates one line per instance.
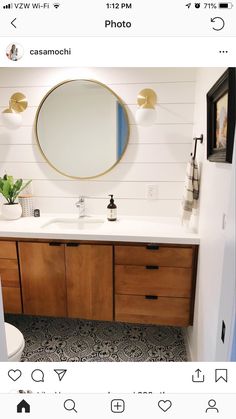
(233, 353)
(156, 154)
(227, 309)
(214, 199)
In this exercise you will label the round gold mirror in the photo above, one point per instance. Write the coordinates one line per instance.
(82, 128)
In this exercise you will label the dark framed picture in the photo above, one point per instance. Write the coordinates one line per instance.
(221, 118)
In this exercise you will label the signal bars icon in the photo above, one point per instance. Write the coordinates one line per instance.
(10, 5)
(7, 6)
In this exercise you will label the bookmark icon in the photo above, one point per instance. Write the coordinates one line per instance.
(221, 375)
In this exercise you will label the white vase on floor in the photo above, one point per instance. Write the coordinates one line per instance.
(11, 211)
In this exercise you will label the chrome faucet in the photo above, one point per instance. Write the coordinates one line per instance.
(80, 204)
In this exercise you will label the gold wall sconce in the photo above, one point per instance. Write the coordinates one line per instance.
(146, 113)
(11, 117)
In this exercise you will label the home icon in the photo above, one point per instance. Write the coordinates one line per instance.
(23, 407)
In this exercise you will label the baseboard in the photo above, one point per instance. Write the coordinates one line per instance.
(187, 346)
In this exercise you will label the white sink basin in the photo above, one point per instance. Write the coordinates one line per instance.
(84, 223)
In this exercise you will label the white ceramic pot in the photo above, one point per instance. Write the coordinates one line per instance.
(11, 211)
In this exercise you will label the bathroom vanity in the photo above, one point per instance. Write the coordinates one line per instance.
(135, 269)
(100, 275)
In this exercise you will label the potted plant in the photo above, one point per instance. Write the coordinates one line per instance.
(10, 189)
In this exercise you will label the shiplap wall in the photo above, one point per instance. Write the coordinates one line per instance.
(155, 154)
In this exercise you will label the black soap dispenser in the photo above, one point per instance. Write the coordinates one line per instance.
(111, 210)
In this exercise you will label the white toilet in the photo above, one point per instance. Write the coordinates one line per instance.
(15, 343)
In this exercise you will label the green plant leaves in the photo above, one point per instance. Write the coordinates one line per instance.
(10, 189)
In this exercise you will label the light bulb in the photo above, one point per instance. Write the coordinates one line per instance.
(146, 117)
(11, 120)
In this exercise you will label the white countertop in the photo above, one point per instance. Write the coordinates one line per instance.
(125, 229)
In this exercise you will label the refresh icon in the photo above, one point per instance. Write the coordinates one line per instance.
(220, 23)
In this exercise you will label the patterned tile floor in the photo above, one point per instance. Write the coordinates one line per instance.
(59, 339)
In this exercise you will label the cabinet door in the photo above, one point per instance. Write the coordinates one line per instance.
(89, 276)
(42, 267)
(10, 286)
(9, 275)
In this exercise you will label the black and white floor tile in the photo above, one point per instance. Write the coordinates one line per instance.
(59, 339)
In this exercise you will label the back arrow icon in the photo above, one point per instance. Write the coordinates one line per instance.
(12, 22)
(214, 20)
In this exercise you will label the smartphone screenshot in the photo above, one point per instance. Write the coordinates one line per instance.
(117, 209)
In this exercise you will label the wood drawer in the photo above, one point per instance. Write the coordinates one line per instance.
(165, 281)
(12, 300)
(163, 311)
(8, 250)
(9, 273)
(162, 256)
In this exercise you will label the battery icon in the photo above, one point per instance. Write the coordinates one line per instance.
(225, 5)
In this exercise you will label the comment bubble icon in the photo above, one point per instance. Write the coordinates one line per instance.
(37, 376)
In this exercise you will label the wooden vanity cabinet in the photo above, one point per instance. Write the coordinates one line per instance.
(67, 279)
(10, 279)
(155, 284)
(89, 276)
(43, 278)
(136, 283)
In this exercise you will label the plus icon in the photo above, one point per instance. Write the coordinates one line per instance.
(117, 406)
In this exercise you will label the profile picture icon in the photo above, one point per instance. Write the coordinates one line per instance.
(14, 52)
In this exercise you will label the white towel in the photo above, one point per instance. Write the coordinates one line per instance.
(191, 191)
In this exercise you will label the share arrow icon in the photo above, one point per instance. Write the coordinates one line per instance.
(60, 373)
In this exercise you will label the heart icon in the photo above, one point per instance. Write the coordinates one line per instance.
(14, 374)
(164, 405)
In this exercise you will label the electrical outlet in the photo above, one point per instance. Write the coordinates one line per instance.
(151, 191)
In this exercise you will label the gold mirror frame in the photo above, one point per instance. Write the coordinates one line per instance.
(37, 136)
